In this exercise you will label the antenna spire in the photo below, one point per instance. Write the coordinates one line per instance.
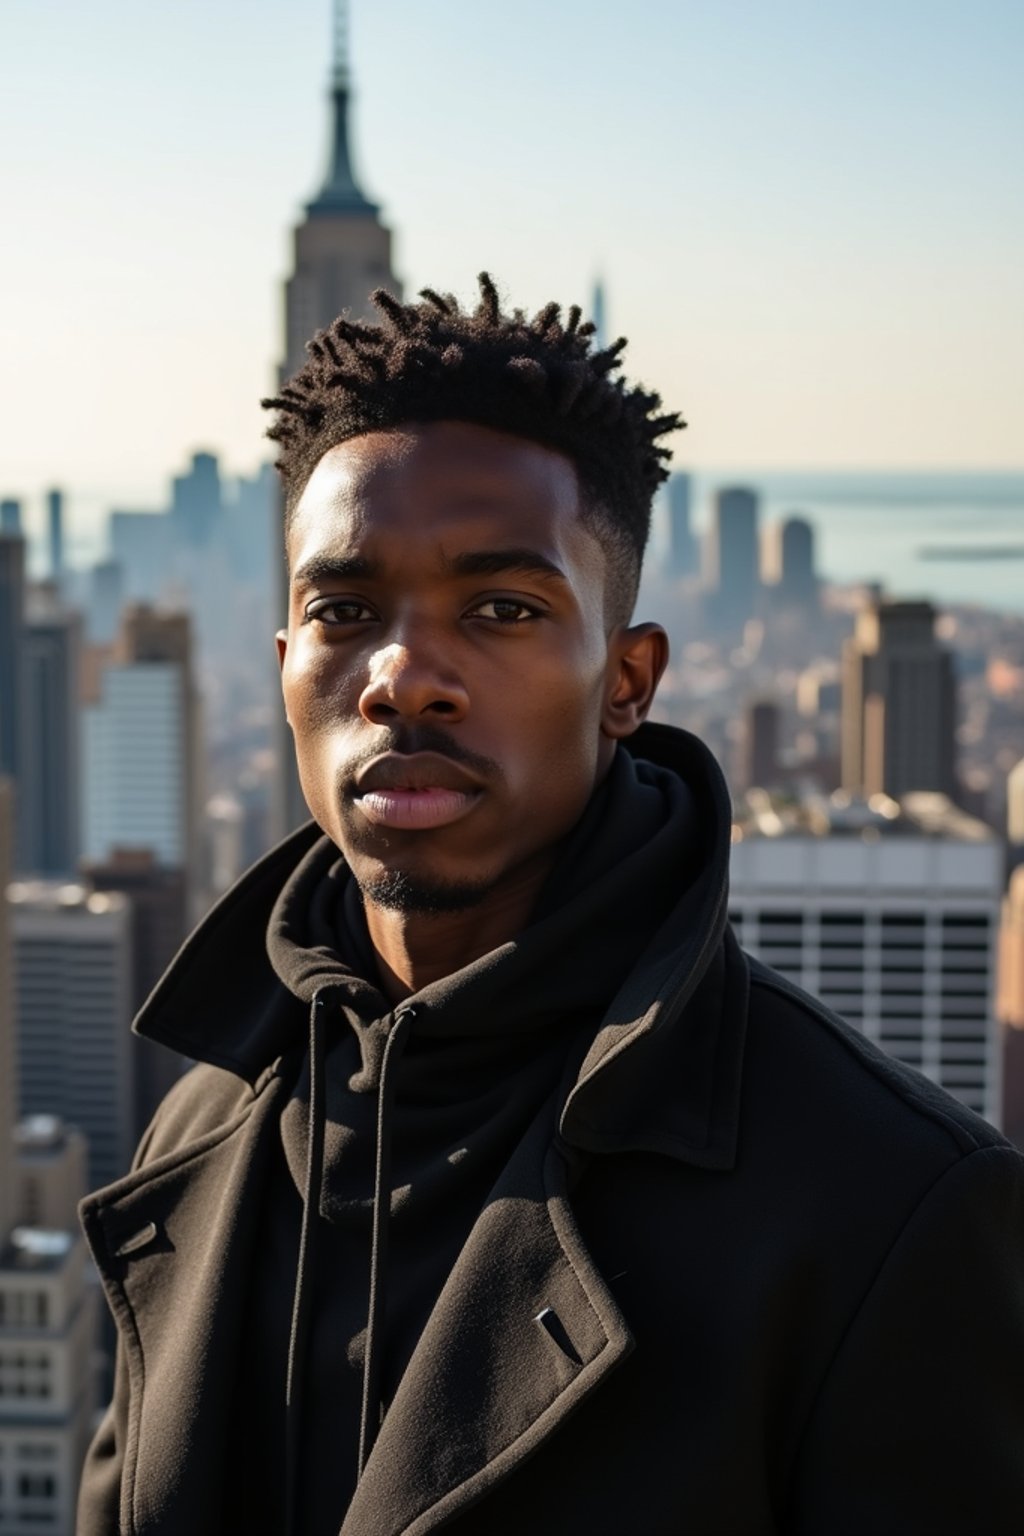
(341, 58)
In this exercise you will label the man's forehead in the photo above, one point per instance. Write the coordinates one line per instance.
(490, 484)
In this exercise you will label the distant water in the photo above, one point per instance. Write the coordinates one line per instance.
(869, 526)
(874, 527)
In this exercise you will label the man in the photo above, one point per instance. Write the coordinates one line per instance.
(507, 1194)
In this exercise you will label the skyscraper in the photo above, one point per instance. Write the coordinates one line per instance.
(898, 712)
(8, 1034)
(683, 554)
(73, 980)
(106, 596)
(55, 533)
(50, 784)
(342, 252)
(1015, 806)
(12, 627)
(159, 923)
(761, 731)
(141, 771)
(789, 563)
(196, 502)
(732, 560)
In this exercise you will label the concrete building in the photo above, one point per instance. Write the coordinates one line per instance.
(72, 1002)
(342, 252)
(10, 516)
(197, 502)
(8, 1031)
(51, 756)
(732, 560)
(48, 1312)
(141, 766)
(159, 923)
(1010, 1005)
(134, 779)
(683, 556)
(898, 727)
(12, 630)
(105, 601)
(889, 913)
(788, 564)
(762, 729)
(48, 1319)
(141, 544)
(55, 533)
(1015, 806)
(51, 1161)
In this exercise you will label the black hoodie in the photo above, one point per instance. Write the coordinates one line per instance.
(482, 1054)
(758, 1278)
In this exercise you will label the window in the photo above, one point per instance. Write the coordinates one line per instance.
(37, 1485)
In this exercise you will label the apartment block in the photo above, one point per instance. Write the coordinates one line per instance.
(888, 911)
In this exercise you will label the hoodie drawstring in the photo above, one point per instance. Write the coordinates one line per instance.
(302, 1305)
(370, 1417)
(306, 1272)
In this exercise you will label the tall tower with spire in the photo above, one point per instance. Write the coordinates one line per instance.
(342, 249)
(342, 252)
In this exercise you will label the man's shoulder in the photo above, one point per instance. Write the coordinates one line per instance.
(843, 1087)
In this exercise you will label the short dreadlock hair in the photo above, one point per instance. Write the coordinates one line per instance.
(535, 378)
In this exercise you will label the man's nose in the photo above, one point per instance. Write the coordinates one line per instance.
(409, 679)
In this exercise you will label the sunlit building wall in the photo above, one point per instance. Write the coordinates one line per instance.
(890, 916)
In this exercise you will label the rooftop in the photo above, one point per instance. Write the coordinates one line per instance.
(63, 896)
(922, 814)
(40, 1250)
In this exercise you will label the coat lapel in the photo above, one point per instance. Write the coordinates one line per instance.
(173, 1243)
(523, 1331)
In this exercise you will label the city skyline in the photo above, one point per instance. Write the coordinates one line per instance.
(812, 255)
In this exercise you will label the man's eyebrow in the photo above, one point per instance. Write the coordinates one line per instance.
(326, 568)
(499, 562)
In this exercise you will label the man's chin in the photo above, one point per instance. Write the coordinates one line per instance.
(396, 890)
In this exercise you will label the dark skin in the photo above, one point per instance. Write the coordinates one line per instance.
(453, 684)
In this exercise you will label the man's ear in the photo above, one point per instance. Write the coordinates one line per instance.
(637, 657)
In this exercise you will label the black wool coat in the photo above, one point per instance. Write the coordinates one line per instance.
(753, 1277)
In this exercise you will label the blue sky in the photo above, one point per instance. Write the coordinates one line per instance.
(809, 217)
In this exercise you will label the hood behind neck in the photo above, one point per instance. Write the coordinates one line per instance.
(616, 876)
(221, 1001)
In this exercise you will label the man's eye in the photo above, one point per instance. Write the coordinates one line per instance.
(505, 610)
(338, 611)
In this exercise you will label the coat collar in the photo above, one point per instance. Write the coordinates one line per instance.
(525, 1330)
(661, 1074)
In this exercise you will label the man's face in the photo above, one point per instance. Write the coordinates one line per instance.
(446, 670)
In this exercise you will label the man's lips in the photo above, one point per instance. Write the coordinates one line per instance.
(415, 791)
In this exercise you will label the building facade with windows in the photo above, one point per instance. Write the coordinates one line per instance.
(48, 1320)
(73, 1007)
(889, 913)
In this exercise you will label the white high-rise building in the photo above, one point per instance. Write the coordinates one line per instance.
(889, 913)
(134, 781)
(73, 991)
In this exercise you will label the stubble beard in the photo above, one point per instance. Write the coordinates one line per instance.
(397, 891)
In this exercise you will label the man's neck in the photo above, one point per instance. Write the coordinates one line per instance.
(416, 948)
